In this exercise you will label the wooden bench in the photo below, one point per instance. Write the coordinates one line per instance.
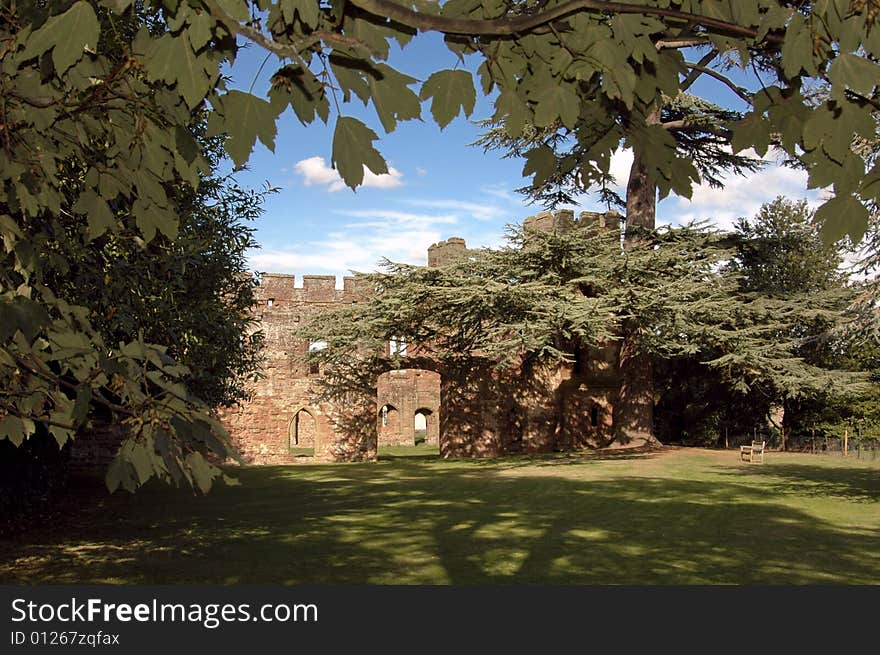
(752, 453)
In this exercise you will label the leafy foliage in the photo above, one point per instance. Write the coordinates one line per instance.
(549, 296)
(98, 95)
(779, 257)
(107, 223)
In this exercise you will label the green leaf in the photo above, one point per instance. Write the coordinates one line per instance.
(540, 162)
(751, 132)
(557, 101)
(172, 60)
(819, 125)
(237, 9)
(842, 215)
(451, 91)
(200, 29)
(137, 455)
(115, 474)
(97, 212)
(393, 99)
(150, 218)
(620, 82)
(853, 72)
(203, 472)
(246, 117)
(58, 430)
(186, 144)
(351, 77)
(13, 428)
(22, 314)
(797, 50)
(353, 149)
(510, 107)
(309, 11)
(81, 405)
(302, 91)
(68, 35)
(872, 43)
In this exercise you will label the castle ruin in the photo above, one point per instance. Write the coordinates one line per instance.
(467, 413)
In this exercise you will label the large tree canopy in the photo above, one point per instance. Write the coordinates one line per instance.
(96, 105)
(548, 297)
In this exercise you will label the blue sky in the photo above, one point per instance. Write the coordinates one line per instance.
(438, 186)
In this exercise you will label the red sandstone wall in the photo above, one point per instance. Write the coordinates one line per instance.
(262, 429)
(408, 391)
(93, 448)
(471, 413)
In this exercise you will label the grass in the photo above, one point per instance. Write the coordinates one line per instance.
(675, 516)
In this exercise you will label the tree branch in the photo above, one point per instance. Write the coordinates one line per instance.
(673, 43)
(528, 22)
(698, 69)
(863, 98)
(283, 50)
(686, 125)
(738, 90)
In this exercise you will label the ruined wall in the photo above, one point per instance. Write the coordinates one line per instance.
(474, 412)
(95, 446)
(289, 413)
(446, 252)
(406, 392)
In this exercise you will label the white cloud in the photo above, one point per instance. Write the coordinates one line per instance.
(621, 162)
(740, 196)
(385, 218)
(316, 172)
(481, 211)
(341, 252)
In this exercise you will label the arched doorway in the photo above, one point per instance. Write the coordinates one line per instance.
(302, 433)
(408, 401)
(389, 425)
(426, 427)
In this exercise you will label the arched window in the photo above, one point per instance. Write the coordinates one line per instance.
(397, 346)
(302, 433)
(420, 425)
(314, 347)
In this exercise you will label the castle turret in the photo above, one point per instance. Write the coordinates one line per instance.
(607, 220)
(564, 219)
(446, 252)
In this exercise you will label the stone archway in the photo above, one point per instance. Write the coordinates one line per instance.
(302, 433)
(410, 392)
(389, 426)
(426, 427)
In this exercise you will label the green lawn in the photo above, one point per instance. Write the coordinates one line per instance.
(682, 516)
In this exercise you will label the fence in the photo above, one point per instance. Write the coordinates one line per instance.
(856, 447)
(860, 448)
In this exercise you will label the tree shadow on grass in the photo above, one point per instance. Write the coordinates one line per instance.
(569, 457)
(855, 484)
(430, 525)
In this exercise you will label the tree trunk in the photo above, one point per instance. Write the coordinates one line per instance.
(634, 421)
(641, 201)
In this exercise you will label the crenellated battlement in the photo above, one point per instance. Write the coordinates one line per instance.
(282, 289)
(564, 219)
(471, 413)
(446, 252)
